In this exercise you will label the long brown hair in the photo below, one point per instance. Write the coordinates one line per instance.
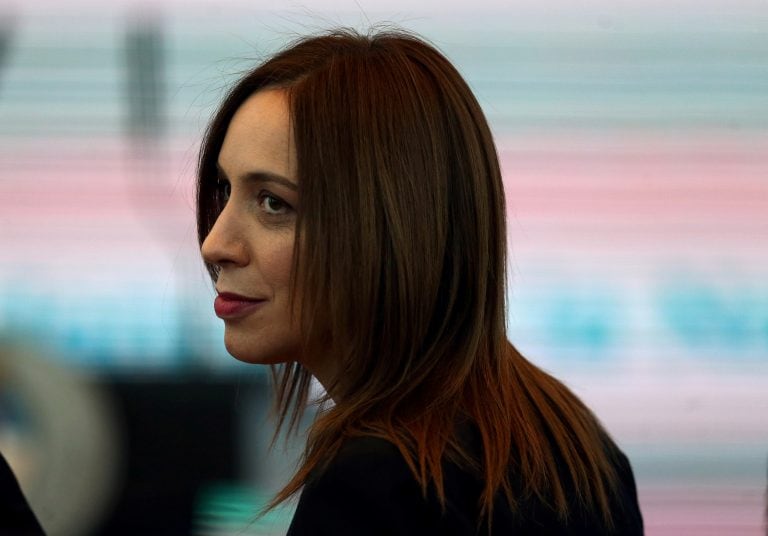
(400, 265)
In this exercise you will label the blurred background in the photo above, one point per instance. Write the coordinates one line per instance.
(634, 143)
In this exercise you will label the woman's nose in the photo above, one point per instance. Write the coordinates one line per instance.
(225, 246)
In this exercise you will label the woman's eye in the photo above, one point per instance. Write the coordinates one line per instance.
(224, 189)
(272, 205)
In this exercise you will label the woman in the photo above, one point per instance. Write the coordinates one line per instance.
(351, 214)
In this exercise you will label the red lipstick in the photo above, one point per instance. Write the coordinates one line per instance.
(229, 305)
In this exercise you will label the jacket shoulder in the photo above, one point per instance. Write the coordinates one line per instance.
(367, 488)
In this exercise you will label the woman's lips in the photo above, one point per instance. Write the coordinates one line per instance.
(228, 305)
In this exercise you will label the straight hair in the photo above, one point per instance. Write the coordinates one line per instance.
(399, 268)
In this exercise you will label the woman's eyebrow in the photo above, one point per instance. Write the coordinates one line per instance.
(263, 176)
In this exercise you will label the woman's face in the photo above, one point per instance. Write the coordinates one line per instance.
(252, 239)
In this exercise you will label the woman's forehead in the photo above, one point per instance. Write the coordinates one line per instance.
(259, 136)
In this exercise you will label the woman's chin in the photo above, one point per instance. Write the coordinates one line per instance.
(258, 355)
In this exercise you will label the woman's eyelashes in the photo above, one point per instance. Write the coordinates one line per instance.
(223, 190)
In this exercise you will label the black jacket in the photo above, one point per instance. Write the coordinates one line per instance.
(16, 518)
(368, 489)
